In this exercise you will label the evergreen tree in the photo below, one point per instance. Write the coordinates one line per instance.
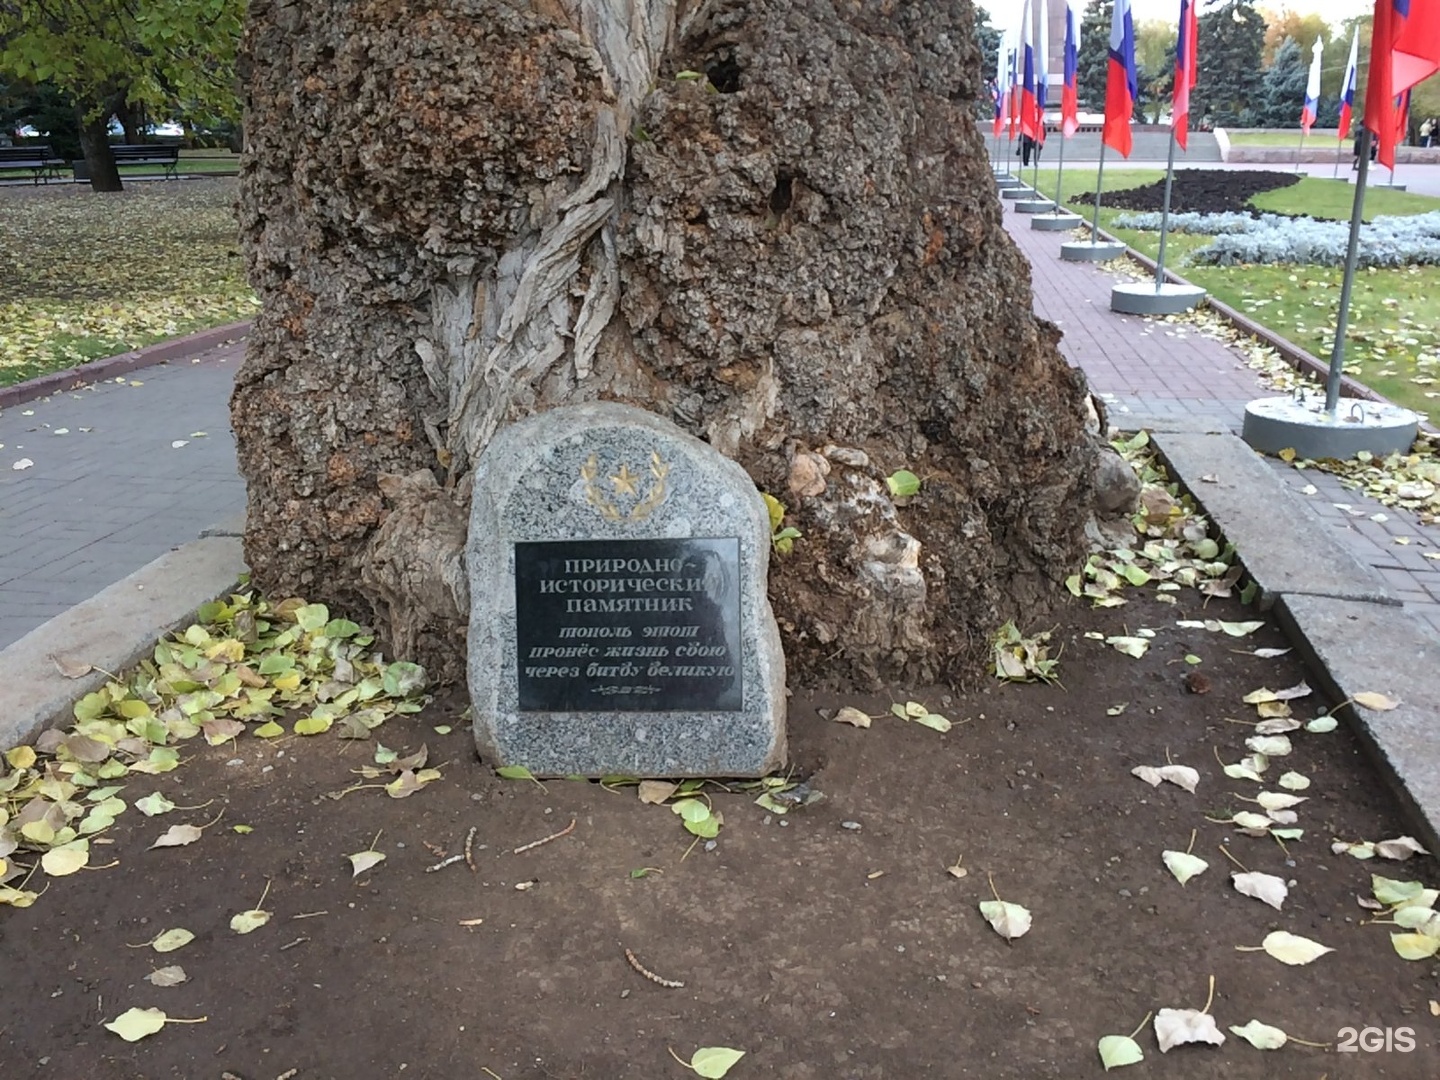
(987, 37)
(1282, 91)
(1232, 38)
(1094, 56)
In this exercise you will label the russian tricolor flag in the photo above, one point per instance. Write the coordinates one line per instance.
(1000, 88)
(1347, 88)
(1029, 104)
(1185, 73)
(1312, 89)
(1042, 68)
(1070, 94)
(1121, 88)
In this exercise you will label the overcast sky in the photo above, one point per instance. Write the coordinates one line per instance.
(1002, 11)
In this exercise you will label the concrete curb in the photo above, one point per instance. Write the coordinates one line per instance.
(1353, 647)
(1290, 551)
(113, 630)
(1336, 611)
(111, 366)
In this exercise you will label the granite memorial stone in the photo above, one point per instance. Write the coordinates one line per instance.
(619, 622)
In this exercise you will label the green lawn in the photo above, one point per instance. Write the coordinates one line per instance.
(1393, 342)
(206, 162)
(89, 276)
(1317, 136)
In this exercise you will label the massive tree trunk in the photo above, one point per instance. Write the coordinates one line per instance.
(771, 222)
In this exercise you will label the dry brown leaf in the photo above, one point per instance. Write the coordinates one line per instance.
(853, 716)
(178, 836)
(1400, 849)
(69, 667)
(1266, 888)
(1176, 1027)
(655, 792)
(1374, 701)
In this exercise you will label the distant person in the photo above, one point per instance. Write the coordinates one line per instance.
(1028, 147)
(1355, 151)
(1427, 133)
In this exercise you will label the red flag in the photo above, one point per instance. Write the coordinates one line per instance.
(1069, 95)
(1185, 72)
(1120, 81)
(1379, 87)
(1416, 53)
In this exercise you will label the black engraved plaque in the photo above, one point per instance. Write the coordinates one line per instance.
(628, 625)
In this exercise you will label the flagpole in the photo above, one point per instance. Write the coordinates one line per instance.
(1339, 153)
(1165, 212)
(1299, 154)
(1099, 187)
(1347, 283)
(1060, 177)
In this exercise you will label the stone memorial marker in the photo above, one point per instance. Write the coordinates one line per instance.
(618, 616)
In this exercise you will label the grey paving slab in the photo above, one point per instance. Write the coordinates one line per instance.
(107, 492)
(1352, 647)
(1285, 548)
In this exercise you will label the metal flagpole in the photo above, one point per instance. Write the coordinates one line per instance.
(1060, 176)
(1339, 153)
(1301, 152)
(1099, 187)
(1165, 213)
(1352, 252)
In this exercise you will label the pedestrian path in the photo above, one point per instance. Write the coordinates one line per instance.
(1164, 375)
(120, 473)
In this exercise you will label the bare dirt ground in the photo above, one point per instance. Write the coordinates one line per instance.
(820, 948)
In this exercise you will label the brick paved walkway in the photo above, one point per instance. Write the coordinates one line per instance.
(111, 494)
(1157, 375)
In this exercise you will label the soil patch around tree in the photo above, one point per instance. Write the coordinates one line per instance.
(1200, 191)
(830, 942)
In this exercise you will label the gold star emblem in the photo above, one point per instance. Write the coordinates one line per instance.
(624, 482)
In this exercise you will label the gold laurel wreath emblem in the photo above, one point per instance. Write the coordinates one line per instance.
(623, 481)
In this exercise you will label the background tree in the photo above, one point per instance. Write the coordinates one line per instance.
(987, 39)
(1232, 38)
(1282, 90)
(117, 56)
(1094, 56)
(494, 207)
(43, 108)
(1287, 23)
(1155, 64)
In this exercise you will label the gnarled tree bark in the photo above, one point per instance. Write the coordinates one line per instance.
(771, 222)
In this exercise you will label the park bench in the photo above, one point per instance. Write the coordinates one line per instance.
(38, 158)
(166, 154)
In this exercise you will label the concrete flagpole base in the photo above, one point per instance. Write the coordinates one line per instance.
(1006, 181)
(1033, 206)
(1283, 423)
(1024, 191)
(1090, 251)
(1387, 187)
(1053, 222)
(1143, 298)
